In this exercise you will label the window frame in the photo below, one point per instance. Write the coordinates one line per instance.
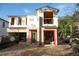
(12, 20)
(19, 21)
(3, 25)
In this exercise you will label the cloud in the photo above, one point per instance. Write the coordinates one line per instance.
(27, 11)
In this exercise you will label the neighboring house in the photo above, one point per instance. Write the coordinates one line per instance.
(3, 27)
(39, 28)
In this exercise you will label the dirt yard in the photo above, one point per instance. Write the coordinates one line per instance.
(22, 49)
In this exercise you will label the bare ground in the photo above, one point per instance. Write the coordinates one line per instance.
(22, 49)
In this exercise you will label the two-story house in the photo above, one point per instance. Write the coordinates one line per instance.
(3, 27)
(39, 28)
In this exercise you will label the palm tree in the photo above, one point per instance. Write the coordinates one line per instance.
(65, 26)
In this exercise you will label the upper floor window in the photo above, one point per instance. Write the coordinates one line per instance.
(48, 14)
(48, 21)
(3, 26)
(12, 21)
(19, 21)
(48, 17)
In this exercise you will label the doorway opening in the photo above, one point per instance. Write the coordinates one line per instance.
(33, 36)
(48, 37)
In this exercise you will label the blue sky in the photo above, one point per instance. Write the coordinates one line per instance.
(7, 9)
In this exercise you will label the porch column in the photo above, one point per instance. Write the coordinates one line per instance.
(42, 34)
(28, 36)
(37, 40)
(55, 37)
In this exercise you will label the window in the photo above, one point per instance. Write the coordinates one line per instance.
(48, 14)
(19, 21)
(48, 17)
(12, 21)
(48, 21)
(3, 25)
(33, 36)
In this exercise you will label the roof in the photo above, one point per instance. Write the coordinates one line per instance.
(3, 20)
(48, 8)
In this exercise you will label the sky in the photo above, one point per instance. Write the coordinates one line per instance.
(24, 9)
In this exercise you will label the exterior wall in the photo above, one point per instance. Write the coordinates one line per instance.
(39, 13)
(17, 30)
(33, 23)
(16, 22)
(1, 23)
(55, 19)
(52, 26)
(3, 31)
(37, 36)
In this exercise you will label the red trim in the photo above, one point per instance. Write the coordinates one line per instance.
(36, 37)
(43, 44)
(54, 39)
(54, 30)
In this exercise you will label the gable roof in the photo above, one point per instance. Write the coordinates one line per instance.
(48, 7)
(3, 20)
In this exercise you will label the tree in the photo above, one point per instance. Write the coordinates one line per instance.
(66, 23)
(64, 26)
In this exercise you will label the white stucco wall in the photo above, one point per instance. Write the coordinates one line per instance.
(55, 19)
(55, 22)
(32, 22)
(39, 13)
(16, 22)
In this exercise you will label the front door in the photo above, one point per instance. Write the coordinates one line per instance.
(33, 36)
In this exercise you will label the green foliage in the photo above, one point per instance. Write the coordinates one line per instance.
(66, 24)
